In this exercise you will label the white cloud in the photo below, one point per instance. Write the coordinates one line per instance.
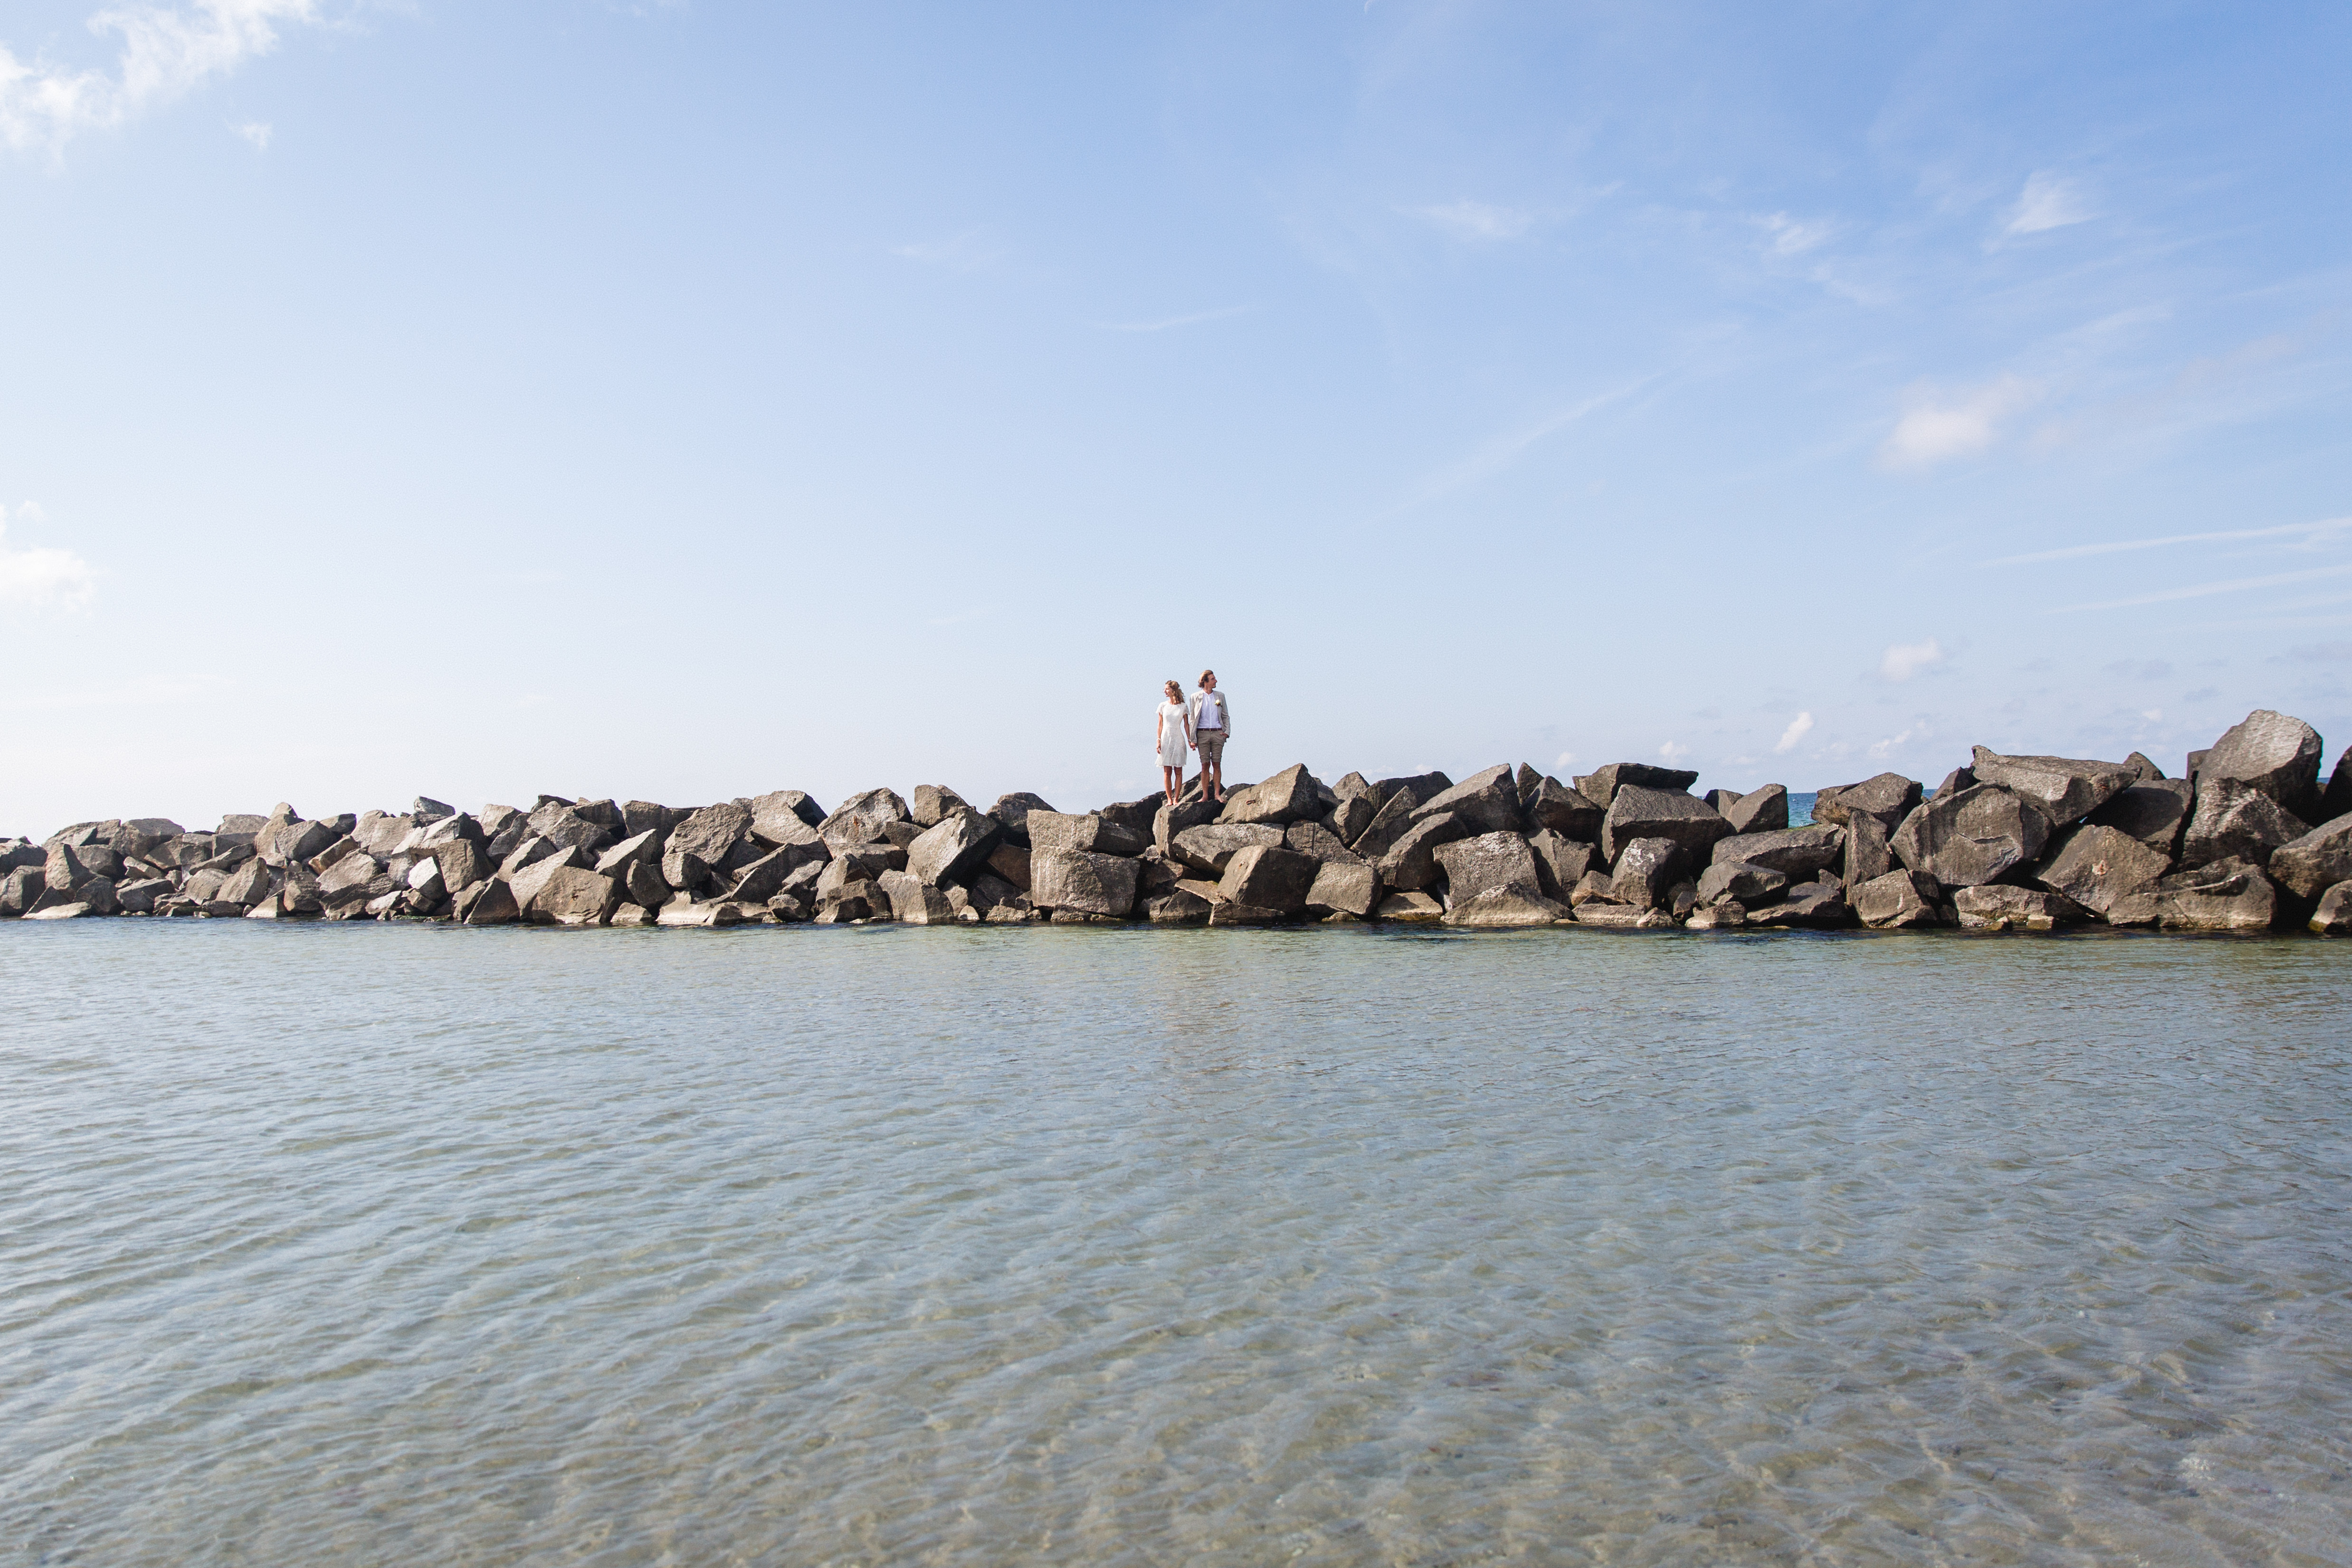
(1904, 660)
(1790, 237)
(1674, 752)
(1798, 728)
(1883, 748)
(2047, 201)
(1164, 323)
(166, 51)
(1477, 220)
(2152, 715)
(1564, 761)
(256, 132)
(42, 578)
(1939, 426)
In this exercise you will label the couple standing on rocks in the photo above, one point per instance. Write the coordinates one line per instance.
(1199, 726)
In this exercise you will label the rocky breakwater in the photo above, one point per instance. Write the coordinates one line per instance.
(2250, 841)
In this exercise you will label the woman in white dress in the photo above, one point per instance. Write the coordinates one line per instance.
(1174, 738)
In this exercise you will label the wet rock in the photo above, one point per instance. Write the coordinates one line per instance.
(1555, 808)
(1976, 836)
(1082, 879)
(1764, 811)
(2235, 820)
(2153, 811)
(688, 915)
(2098, 866)
(1739, 880)
(1091, 834)
(1896, 901)
(1889, 797)
(2309, 865)
(1638, 811)
(1226, 912)
(1213, 848)
(1486, 802)
(1811, 906)
(1344, 887)
(1796, 854)
(952, 848)
(1266, 876)
(1409, 866)
(1600, 786)
(2065, 789)
(2000, 907)
(72, 909)
(2227, 895)
(1623, 915)
(1505, 908)
(2334, 915)
(1290, 796)
(1647, 870)
(1177, 907)
(704, 843)
(1411, 909)
(1559, 862)
(2272, 753)
(1730, 914)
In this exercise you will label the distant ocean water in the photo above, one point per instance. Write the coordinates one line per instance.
(386, 1244)
(1800, 807)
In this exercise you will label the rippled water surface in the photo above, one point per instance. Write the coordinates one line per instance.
(359, 1245)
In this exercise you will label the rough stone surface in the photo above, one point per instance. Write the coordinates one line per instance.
(1764, 811)
(851, 901)
(293, 841)
(915, 902)
(2227, 896)
(1601, 785)
(528, 882)
(1623, 915)
(1213, 848)
(688, 914)
(1976, 836)
(1896, 902)
(1559, 862)
(248, 884)
(1411, 909)
(1409, 866)
(860, 819)
(1505, 908)
(644, 848)
(1091, 834)
(952, 848)
(1191, 811)
(2337, 800)
(638, 817)
(2098, 866)
(1011, 862)
(1889, 797)
(1268, 876)
(702, 843)
(1486, 802)
(460, 862)
(1741, 880)
(1319, 842)
(2273, 753)
(1729, 914)
(2000, 907)
(2334, 915)
(1646, 872)
(1638, 811)
(1490, 861)
(1555, 808)
(1012, 814)
(1082, 879)
(780, 817)
(1177, 907)
(1867, 854)
(1390, 823)
(573, 895)
(1290, 796)
(2065, 789)
(1814, 905)
(2235, 820)
(2153, 810)
(2310, 865)
(932, 804)
(1797, 853)
(1344, 887)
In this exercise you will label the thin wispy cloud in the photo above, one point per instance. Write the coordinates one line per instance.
(1798, 728)
(256, 132)
(1787, 236)
(1476, 221)
(967, 252)
(2048, 202)
(2205, 590)
(1171, 322)
(1506, 449)
(1904, 660)
(165, 52)
(41, 576)
(2312, 533)
(1942, 426)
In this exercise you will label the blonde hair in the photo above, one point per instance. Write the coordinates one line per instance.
(1173, 689)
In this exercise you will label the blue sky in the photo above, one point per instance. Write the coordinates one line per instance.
(687, 401)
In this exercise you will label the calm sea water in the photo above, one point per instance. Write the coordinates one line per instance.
(369, 1245)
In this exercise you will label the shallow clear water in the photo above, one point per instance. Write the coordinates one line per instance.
(363, 1245)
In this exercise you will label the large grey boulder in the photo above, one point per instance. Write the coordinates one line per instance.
(64, 870)
(1646, 872)
(2234, 819)
(1553, 807)
(2334, 915)
(859, 862)
(1343, 887)
(1289, 797)
(20, 888)
(703, 844)
(1739, 880)
(1213, 848)
(1090, 835)
(1561, 862)
(643, 885)
(1868, 856)
(2100, 868)
(460, 862)
(1011, 862)
(2227, 896)
(1638, 811)
(1267, 876)
(1489, 861)
(1012, 814)
(781, 817)
(915, 902)
(1410, 909)
(1509, 908)
(1135, 817)
(2310, 865)
(570, 828)
(1389, 824)
(289, 843)
(1889, 797)
(653, 817)
(1601, 785)
(1623, 916)
(1082, 879)
(19, 854)
(1177, 907)
(1487, 801)
(850, 903)
(1762, 810)
(140, 897)
(2065, 789)
(644, 849)
(1809, 905)
(957, 844)
(1975, 836)
(1797, 853)
(531, 851)
(2337, 800)
(2002, 907)
(1350, 816)
(528, 882)
(1191, 811)
(1896, 902)
(353, 879)
(756, 883)
(935, 803)
(1409, 864)
(1415, 787)
(2273, 753)
(1317, 841)
(246, 886)
(2153, 810)
(861, 817)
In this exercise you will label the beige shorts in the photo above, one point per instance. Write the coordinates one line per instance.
(1212, 743)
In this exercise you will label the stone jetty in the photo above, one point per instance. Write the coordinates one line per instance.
(2252, 839)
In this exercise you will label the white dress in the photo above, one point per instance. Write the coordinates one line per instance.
(1172, 744)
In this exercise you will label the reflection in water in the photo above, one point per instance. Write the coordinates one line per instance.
(379, 1245)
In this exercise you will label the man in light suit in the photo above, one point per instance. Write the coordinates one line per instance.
(1213, 723)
